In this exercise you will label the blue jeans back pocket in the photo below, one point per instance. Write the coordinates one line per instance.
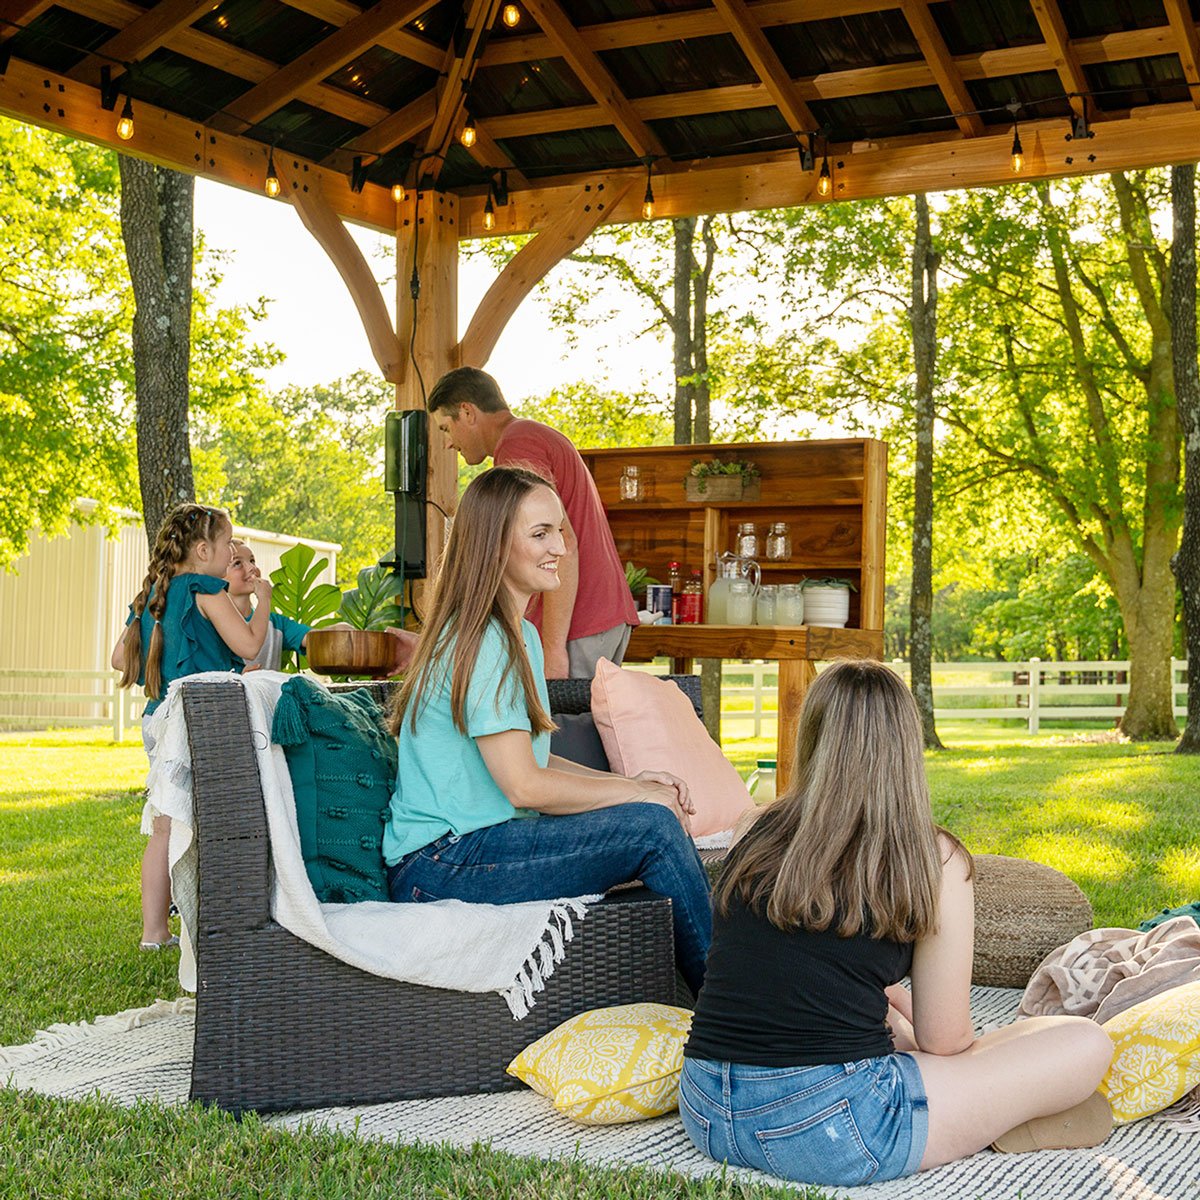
(826, 1148)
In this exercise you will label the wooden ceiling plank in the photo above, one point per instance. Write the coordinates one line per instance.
(1179, 16)
(212, 52)
(396, 128)
(646, 31)
(941, 65)
(14, 14)
(766, 65)
(399, 41)
(152, 29)
(1062, 52)
(595, 77)
(323, 59)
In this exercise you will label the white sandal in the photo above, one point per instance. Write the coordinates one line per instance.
(171, 941)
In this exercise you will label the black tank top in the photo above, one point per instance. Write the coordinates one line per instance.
(788, 999)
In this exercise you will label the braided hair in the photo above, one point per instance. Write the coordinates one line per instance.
(182, 528)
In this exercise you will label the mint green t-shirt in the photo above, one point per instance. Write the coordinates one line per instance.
(442, 783)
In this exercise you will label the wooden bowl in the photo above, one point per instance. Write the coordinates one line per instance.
(351, 651)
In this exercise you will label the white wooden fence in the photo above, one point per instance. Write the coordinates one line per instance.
(1029, 691)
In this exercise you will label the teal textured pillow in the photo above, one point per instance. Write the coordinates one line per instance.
(343, 769)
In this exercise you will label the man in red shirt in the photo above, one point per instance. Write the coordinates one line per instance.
(590, 615)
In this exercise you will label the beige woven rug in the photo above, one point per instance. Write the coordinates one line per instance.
(145, 1054)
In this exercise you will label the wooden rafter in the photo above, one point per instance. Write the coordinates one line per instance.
(149, 31)
(213, 52)
(941, 65)
(400, 41)
(595, 77)
(574, 224)
(322, 60)
(1187, 44)
(458, 69)
(1062, 51)
(765, 62)
(669, 27)
(15, 13)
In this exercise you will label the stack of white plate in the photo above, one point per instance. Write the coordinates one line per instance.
(826, 606)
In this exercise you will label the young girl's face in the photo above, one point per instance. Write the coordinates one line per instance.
(214, 556)
(242, 570)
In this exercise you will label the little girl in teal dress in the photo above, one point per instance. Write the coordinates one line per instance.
(182, 622)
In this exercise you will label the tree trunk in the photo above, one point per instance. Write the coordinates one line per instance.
(923, 316)
(156, 226)
(701, 422)
(1186, 562)
(681, 329)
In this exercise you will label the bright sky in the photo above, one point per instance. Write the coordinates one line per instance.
(273, 255)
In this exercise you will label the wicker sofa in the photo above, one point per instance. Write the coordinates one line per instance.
(281, 1025)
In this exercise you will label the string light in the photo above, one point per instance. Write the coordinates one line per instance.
(489, 212)
(272, 185)
(648, 198)
(825, 179)
(511, 15)
(467, 137)
(399, 195)
(125, 122)
(1018, 155)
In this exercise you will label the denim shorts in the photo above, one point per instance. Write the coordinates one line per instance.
(839, 1124)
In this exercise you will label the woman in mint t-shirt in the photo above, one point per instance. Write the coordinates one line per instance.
(482, 811)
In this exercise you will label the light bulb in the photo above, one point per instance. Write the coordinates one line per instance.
(398, 193)
(511, 15)
(489, 213)
(125, 124)
(467, 137)
(271, 183)
(825, 180)
(648, 198)
(1018, 155)
(648, 210)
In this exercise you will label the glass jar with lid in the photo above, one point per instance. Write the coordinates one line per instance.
(779, 542)
(746, 545)
(631, 483)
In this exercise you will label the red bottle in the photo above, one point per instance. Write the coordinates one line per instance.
(692, 607)
(675, 579)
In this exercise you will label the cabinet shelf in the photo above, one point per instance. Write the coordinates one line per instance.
(632, 506)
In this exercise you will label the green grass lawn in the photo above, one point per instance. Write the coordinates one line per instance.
(1122, 820)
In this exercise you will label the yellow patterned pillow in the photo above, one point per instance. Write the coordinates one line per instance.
(610, 1065)
(1156, 1057)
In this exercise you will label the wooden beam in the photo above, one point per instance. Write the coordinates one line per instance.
(765, 62)
(401, 126)
(1183, 27)
(213, 52)
(152, 29)
(17, 13)
(322, 60)
(646, 31)
(326, 226)
(568, 231)
(29, 93)
(399, 41)
(1062, 52)
(1146, 137)
(595, 77)
(941, 66)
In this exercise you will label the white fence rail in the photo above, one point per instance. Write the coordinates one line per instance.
(1029, 691)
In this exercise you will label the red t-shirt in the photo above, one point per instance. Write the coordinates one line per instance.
(603, 600)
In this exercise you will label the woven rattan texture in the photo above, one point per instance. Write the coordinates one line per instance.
(281, 1025)
(1023, 910)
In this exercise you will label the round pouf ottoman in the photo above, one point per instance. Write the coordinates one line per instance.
(1023, 910)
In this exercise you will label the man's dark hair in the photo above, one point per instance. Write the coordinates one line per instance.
(466, 385)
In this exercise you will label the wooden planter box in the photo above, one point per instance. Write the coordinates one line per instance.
(719, 489)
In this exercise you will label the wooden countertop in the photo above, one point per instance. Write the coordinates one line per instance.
(780, 642)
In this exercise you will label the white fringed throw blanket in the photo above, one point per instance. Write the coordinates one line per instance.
(507, 948)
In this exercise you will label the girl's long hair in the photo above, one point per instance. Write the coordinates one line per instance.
(182, 528)
(468, 593)
(851, 845)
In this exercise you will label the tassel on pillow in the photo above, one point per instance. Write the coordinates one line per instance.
(289, 727)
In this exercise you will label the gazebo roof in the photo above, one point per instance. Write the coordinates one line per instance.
(716, 99)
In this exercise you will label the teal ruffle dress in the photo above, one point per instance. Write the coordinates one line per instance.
(191, 643)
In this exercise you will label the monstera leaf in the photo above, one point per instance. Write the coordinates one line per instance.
(298, 595)
(372, 605)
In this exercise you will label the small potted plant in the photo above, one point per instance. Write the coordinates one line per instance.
(827, 601)
(720, 480)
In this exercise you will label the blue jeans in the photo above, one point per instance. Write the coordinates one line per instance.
(544, 858)
(840, 1125)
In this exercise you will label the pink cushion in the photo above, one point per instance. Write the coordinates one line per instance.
(648, 724)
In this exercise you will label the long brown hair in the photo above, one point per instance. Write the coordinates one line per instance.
(851, 845)
(182, 528)
(468, 593)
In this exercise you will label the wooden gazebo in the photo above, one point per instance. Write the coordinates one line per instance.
(582, 110)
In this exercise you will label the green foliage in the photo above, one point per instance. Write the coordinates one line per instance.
(372, 605)
(638, 578)
(595, 417)
(298, 594)
(715, 466)
(307, 461)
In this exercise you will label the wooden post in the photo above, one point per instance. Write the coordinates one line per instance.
(434, 236)
(795, 677)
